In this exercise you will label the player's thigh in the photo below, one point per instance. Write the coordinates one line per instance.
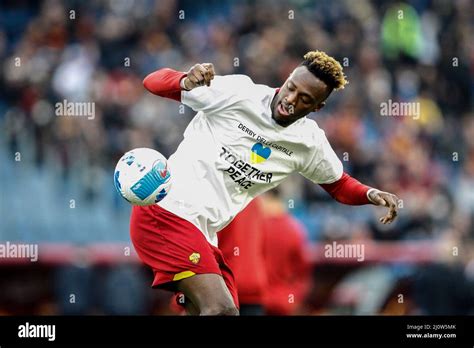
(209, 293)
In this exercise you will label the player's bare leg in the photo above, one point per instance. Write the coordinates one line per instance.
(209, 294)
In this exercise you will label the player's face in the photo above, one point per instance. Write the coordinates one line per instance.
(301, 94)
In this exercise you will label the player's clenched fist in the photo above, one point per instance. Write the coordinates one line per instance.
(198, 75)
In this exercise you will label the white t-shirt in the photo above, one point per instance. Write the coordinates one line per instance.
(233, 151)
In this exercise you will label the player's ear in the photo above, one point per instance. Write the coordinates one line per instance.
(319, 106)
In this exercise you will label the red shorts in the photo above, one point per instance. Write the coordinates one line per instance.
(175, 249)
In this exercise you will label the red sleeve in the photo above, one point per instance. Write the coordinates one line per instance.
(348, 190)
(165, 83)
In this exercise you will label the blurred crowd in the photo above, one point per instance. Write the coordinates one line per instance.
(99, 51)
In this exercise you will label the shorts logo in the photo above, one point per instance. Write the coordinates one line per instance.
(194, 257)
(259, 153)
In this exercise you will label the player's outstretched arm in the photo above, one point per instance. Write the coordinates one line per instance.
(169, 83)
(348, 190)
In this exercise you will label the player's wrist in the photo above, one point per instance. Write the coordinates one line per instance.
(370, 193)
(183, 85)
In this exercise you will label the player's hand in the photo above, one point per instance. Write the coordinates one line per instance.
(199, 75)
(385, 199)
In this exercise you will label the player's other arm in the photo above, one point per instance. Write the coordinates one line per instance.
(323, 167)
(348, 190)
(169, 83)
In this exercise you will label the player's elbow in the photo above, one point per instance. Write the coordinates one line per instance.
(148, 83)
(156, 82)
(164, 83)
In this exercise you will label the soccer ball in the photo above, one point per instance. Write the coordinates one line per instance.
(142, 176)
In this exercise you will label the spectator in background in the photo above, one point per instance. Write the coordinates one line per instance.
(288, 271)
(242, 245)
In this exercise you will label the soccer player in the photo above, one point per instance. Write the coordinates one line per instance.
(245, 139)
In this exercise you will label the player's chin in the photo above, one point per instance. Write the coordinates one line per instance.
(276, 115)
(284, 118)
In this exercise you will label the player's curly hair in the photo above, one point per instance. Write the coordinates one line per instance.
(325, 68)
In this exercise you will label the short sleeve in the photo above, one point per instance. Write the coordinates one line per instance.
(222, 91)
(322, 166)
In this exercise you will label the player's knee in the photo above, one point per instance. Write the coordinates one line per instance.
(227, 309)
